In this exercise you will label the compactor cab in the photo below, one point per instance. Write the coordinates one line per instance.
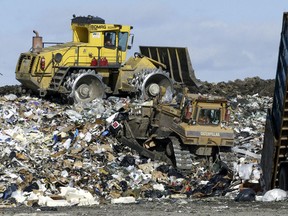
(107, 43)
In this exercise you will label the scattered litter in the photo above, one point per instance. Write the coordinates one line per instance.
(64, 155)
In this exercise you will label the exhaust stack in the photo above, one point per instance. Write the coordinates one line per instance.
(37, 43)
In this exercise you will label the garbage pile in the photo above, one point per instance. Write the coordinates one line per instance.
(64, 155)
(248, 121)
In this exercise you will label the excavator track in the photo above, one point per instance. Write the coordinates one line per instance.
(182, 156)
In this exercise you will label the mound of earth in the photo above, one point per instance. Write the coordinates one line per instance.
(230, 89)
(248, 86)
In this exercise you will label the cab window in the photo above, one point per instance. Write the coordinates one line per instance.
(123, 39)
(109, 39)
(209, 116)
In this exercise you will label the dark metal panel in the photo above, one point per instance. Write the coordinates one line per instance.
(280, 92)
(268, 156)
(274, 128)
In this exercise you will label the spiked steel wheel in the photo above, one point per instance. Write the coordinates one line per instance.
(87, 87)
(149, 82)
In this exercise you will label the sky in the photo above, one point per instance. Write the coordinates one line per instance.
(226, 39)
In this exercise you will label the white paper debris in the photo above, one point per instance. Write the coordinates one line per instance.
(123, 200)
(274, 195)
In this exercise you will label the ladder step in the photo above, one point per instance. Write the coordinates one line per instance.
(61, 72)
(283, 146)
(57, 79)
(281, 156)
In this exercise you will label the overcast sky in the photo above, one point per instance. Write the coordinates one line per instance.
(226, 39)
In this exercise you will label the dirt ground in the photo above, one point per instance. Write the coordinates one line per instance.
(209, 206)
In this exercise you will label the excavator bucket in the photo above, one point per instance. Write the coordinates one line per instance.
(177, 61)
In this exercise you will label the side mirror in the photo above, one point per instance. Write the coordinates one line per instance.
(130, 42)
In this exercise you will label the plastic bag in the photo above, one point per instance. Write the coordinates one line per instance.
(274, 195)
(168, 96)
(246, 195)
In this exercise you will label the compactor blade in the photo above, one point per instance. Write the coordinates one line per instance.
(177, 61)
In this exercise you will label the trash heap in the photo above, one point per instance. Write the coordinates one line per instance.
(248, 120)
(64, 155)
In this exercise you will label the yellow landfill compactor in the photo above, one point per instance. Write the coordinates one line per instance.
(94, 64)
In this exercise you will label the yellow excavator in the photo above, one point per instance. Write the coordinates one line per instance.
(191, 125)
(94, 64)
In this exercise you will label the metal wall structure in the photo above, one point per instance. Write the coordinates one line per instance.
(275, 147)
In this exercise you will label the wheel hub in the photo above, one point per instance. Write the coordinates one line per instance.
(154, 89)
(85, 86)
(84, 90)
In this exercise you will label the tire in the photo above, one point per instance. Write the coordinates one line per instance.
(283, 177)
